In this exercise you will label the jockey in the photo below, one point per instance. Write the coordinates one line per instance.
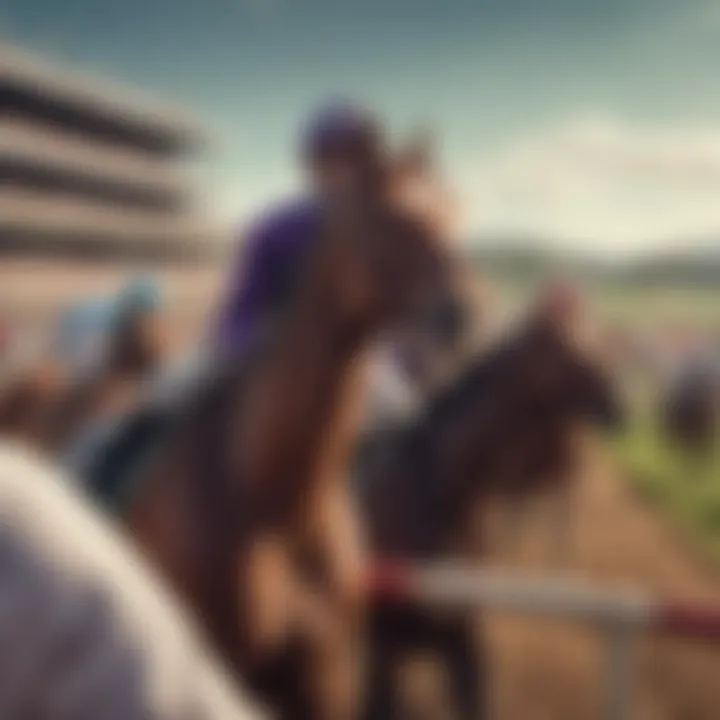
(337, 144)
(140, 295)
(133, 341)
(90, 329)
(333, 146)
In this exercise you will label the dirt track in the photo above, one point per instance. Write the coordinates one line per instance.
(550, 671)
(540, 670)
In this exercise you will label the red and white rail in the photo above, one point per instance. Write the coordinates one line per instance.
(621, 615)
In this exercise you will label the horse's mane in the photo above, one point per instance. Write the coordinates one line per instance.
(409, 475)
(475, 381)
(416, 468)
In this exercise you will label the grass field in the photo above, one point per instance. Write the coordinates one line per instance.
(685, 489)
(637, 306)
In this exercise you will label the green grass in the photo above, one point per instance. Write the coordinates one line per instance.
(638, 306)
(687, 490)
(632, 305)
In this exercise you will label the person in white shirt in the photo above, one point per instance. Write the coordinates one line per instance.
(86, 630)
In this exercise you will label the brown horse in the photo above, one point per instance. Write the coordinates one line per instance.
(30, 380)
(504, 428)
(25, 398)
(245, 505)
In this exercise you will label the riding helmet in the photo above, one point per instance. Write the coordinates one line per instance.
(341, 129)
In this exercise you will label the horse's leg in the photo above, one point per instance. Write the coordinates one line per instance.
(336, 669)
(385, 653)
(281, 682)
(331, 649)
(269, 581)
(464, 655)
(452, 641)
(313, 678)
(335, 620)
(279, 622)
(340, 673)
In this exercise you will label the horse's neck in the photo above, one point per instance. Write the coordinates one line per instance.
(328, 389)
(344, 417)
(304, 408)
(434, 476)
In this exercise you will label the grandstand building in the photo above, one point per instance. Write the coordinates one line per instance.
(87, 170)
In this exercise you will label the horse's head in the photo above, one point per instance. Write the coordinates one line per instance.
(565, 363)
(392, 264)
(416, 185)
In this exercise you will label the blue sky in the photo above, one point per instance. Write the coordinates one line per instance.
(533, 99)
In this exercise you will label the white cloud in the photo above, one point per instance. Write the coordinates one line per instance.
(597, 179)
(706, 15)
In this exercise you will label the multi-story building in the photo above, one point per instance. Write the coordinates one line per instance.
(89, 170)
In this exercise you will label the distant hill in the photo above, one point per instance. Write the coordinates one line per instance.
(688, 266)
(528, 261)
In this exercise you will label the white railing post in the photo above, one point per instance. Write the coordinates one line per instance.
(619, 671)
(622, 615)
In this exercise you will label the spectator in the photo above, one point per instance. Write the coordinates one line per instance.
(85, 630)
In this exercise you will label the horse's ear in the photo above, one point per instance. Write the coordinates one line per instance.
(419, 153)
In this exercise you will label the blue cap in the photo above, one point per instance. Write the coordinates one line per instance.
(139, 295)
(340, 127)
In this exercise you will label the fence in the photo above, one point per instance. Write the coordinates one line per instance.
(620, 615)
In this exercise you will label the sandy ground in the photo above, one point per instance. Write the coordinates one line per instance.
(553, 671)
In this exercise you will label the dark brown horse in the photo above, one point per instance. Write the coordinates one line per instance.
(504, 428)
(25, 397)
(245, 505)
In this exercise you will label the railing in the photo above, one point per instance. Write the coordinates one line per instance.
(620, 615)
